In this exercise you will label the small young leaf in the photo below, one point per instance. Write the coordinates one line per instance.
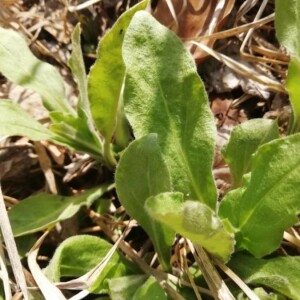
(79, 254)
(124, 288)
(19, 65)
(244, 141)
(150, 290)
(74, 133)
(193, 220)
(15, 121)
(142, 173)
(38, 212)
(280, 274)
(270, 201)
(107, 75)
(164, 94)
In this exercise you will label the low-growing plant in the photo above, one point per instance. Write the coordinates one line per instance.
(144, 76)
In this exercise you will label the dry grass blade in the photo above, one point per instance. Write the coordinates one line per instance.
(217, 286)
(49, 290)
(292, 239)
(4, 274)
(46, 165)
(83, 5)
(243, 70)
(12, 248)
(237, 280)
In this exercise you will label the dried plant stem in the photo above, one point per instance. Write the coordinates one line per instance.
(12, 248)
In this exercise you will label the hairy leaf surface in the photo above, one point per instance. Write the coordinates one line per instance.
(107, 75)
(270, 202)
(244, 141)
(77, 255)
(282, 274)
(142, 173)
(41, 211)
(193, 220)
(164, 94)
(16, 121)
(20, 66)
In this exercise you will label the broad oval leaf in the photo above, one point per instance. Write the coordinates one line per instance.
(164, 94)
(41, 211)
(142, 173)
(15, 121)
(270, 201)
(244, 141)
(193, 220)
(19, 65)
(280, 274)
(78, 255)
(106, 78)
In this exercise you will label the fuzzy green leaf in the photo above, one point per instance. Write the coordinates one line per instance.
(282, 274)
(15, 121)
(270, 202)
(41, 211)
(79, 254)
(150, 290)
(193, 220)
(20, 66)
(164, 94)
(124, 288)
(142, 173)
(244, 141)
(106, 77)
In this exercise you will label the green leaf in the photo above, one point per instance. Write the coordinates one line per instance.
(41, 211)
(150, 290)
(292, 85)
(193, 220)
(288, 33)
(142, 173)
(270, 202)
(20, 66)
(74, 133)
(244, 141)
(287, 20)
(15, 121)
(124, 288)
(164, 94)
(282, 274)
(262, 295)
(79, 254)
(106, 77)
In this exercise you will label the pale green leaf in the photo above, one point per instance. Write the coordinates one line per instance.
(124, 288)
(270, 202)
(107, 75)
(150, 290)
(20, 66)
(15, 121)
(41, 211)
(79, 254)
(281, 274)
(287, 20)
(164, 94)
(292, 85)
(262, 295)
(74, 133)
(142, 173)
(193, 220)
(244, 141)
